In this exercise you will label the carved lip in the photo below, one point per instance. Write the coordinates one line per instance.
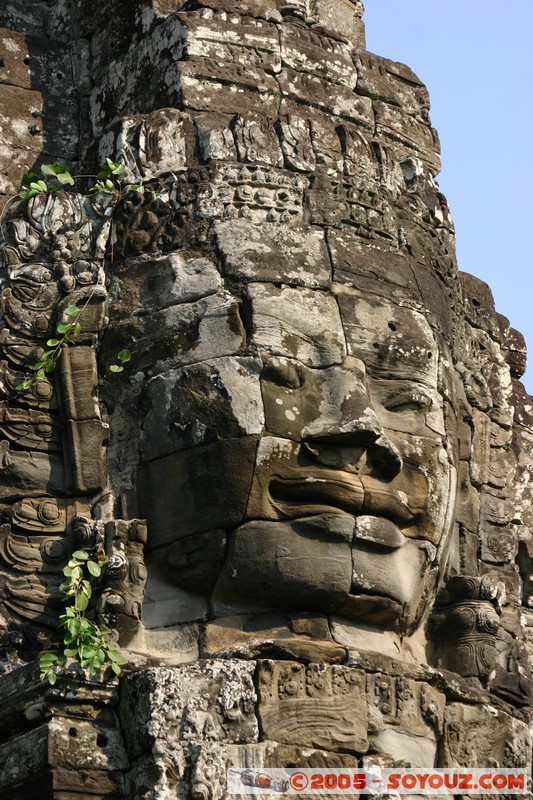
(349, 494)
(318, 493)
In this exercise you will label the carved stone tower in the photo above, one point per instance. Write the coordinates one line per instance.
(313, 478)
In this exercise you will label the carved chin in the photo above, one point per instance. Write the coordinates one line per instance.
(383, 612)
(396, 574)
(314, 564)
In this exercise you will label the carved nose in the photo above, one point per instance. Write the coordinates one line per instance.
(376, 456)
(385, 458)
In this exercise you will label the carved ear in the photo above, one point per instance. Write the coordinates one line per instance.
(466, 637)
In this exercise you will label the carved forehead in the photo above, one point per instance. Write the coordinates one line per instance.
(392, 340)
(211, 307)
(321, 328)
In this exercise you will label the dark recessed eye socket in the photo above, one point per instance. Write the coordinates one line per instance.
(408, 401)
(282, 373)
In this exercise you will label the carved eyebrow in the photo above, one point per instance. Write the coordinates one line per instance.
(415, 396)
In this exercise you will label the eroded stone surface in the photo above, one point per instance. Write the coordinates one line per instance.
(317, 706)
(470, 732)
(207, 700)
(322, 420)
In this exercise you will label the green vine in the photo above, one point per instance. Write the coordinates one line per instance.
(67, 333)
(123, 356)
(84, 641)
(58, 177)
(85, 644)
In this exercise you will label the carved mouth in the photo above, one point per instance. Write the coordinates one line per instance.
(317, 494)
(375, 609)
(348, 494)
(390, 503)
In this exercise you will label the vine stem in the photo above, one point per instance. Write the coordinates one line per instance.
(55, 353)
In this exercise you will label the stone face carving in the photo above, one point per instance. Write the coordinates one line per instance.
(313, 481)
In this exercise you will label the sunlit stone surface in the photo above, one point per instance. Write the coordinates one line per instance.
(313, 476)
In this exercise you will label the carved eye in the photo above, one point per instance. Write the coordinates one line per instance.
(282, 373)
(408, 401)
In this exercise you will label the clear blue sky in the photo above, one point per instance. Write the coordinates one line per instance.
(476, 58)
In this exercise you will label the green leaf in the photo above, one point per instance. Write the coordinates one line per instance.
(52, 677)
(40, 374)
(52, 342)
(94, 569)
(115, 656)
(116, 368)
(50, 366)
(99, 657)
(124, 356)
(86, 589)
(80, 555)
(39, 187)
(82, 601)
(48, 658)
(56, 169)
(28, 178)
(114, 166)
(77, 329)
(72, 311)
(109, 185)
(65, 179)
(115, 667)
(63, 327)
(73, 626)
(49, 169)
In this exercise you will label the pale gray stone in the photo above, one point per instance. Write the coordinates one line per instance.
(320, 440)
(165, 707)
(297, 323)
(269, 253)
(211, 400)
